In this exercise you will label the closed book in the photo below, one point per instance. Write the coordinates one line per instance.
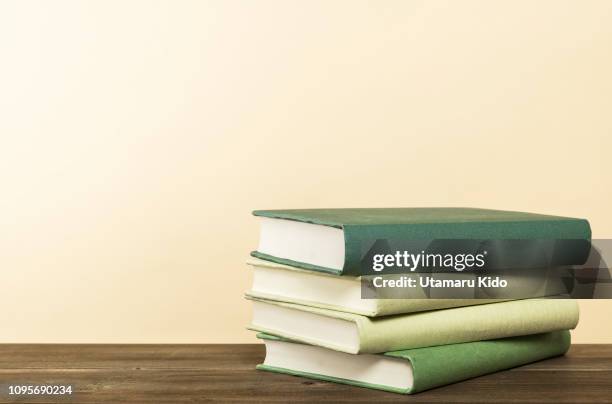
(412, 370)
(333, 240)
(285, 283)
(353, 333)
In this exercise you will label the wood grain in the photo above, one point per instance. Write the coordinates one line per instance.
(225, 373)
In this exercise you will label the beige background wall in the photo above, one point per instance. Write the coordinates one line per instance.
(137, 136)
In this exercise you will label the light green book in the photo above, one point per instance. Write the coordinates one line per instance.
(412, 370)
(331, 240)
(353, 333)
(284, 283)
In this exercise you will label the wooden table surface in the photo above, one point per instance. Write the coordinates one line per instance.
(225, 373)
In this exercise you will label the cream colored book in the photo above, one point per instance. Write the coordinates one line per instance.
(284, 283)
(353, 333)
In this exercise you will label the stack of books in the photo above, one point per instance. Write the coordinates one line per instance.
(309, 311)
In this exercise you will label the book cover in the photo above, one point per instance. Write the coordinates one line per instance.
(428, 367)
(359, 225)
(354, 333)
(273, 281)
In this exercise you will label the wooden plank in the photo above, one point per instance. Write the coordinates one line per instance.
(128, 356)
(224, 373)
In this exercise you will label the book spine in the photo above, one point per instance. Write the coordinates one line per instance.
(466, 324)
(452, 363)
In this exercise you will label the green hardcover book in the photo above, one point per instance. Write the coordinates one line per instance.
(331, 240)
(413, 370)
(353, 333)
